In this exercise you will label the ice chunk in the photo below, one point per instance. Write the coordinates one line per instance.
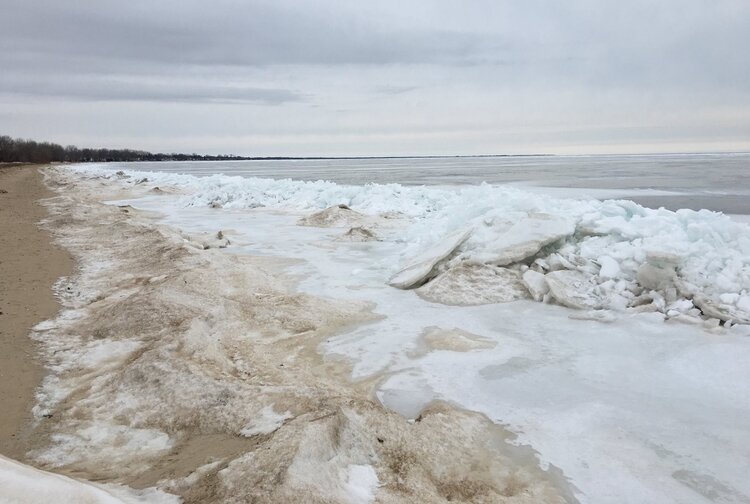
(729, 298)
(540, 263)
(743, 304)
(422, 266)
(526, 238)
(573, 289)
(681, 306)
(474, 284)
(609, 267)
(536, 284)
(644, 308)
(207, 241)
(655, 277)
(721, 311)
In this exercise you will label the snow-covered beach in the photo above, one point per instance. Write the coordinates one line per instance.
(176, 368)
(608, 342)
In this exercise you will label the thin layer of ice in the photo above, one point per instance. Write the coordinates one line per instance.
(422, 265)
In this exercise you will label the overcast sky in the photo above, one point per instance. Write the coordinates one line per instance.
(345, 77)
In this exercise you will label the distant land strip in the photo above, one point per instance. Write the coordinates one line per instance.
(19, 150)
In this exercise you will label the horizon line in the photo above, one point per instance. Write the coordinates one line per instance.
(241, 157)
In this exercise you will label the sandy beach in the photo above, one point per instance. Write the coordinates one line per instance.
(30, 263)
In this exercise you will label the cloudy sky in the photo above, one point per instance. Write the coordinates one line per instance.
(345, 77)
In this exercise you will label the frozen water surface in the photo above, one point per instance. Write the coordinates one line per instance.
(713, 181)
(632, 408)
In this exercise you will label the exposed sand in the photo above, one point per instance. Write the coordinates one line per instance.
(29, 265)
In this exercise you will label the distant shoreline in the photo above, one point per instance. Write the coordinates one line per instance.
(20, 151)
(322, 158)
(344, 158)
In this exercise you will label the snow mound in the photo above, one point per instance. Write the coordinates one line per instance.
(358, 455)
(359, 234)
(335, 216)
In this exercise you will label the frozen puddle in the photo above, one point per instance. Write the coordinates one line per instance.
(631, 408)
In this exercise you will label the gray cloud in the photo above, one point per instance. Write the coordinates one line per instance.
(225, 33)
(437, 75)
(112, 89)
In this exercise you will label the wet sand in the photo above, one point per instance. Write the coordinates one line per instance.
(30, 263)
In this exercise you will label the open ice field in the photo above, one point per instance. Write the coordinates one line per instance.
(612, 339)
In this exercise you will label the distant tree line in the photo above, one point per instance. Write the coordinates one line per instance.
(17, 150)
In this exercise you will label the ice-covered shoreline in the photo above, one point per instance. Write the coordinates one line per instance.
(624, 403)
(178, 366)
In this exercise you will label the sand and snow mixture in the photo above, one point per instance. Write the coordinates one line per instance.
(232, 339)
(193, 375)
